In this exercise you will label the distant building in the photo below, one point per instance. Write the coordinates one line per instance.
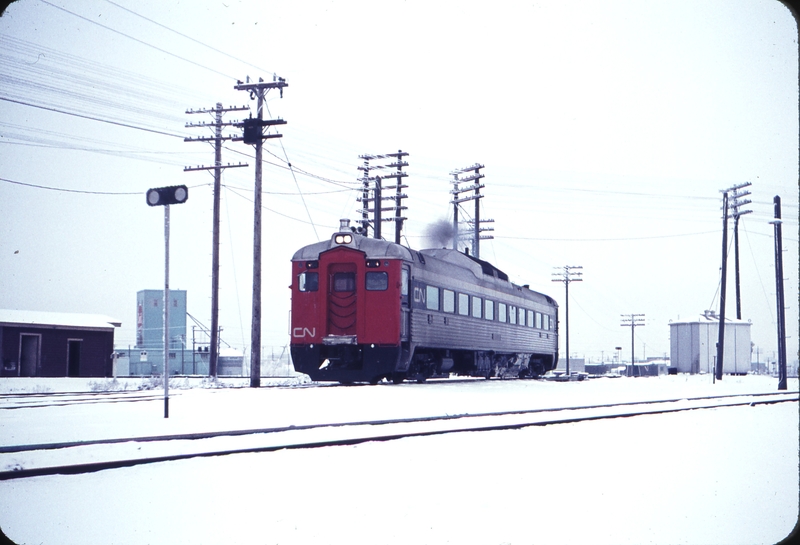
(148, 356)
(55, 344)
(576, 365)
(693, 345)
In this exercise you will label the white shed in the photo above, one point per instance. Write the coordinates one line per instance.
(693, 345)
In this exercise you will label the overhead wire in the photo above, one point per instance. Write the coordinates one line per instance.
(300, 191)
(187, 37)
(139, 41)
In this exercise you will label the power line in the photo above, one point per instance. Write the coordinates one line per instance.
(138, 40)
(70, 190)
(606, 239)
(187, 37)
(86, 192)
(89, 117)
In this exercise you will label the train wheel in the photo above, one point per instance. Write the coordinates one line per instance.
(398, 378)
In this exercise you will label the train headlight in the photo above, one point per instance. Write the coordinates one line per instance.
(343, 239)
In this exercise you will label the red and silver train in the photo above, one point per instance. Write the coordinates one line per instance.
(365, 309)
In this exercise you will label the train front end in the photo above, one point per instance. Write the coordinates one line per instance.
(346, 308)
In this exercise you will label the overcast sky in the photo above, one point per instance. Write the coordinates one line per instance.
(607, 130)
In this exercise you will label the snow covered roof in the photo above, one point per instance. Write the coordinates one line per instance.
(709, 317)
(57, 319)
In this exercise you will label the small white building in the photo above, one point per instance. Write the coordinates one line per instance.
(693, 345)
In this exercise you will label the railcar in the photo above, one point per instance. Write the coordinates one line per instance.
(365, 309)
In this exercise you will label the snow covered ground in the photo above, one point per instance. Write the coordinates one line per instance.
(707, 476)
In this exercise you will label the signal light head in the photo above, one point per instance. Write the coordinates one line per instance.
(161, 196)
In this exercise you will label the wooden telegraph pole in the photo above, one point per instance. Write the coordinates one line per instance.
(779, 295)
(254, 134)
(217, 139)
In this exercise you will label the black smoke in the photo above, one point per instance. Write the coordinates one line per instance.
(439, 234)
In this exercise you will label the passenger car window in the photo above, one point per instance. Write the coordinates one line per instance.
(512, 314)
(448, 301)
(377, 281)
(477, 307)
(308, 281)
(463, 304)
(432, 298)
(501, 312)
(489, 314)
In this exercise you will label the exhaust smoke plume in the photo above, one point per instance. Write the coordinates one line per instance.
(439, 234)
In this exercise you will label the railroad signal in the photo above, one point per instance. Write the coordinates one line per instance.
(162, 196)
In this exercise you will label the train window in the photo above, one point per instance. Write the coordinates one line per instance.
(512, 314)
(308, 281)
(477, 307)
(547, 322)
(489, 308)
(501, 312)
(431, 298)
(344, 281)
(530, 318)
(448, 301)
(404, 282)
(377, 281)
(521, 316)
(463, 304)
(538, 320)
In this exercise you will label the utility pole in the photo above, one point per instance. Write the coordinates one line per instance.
(217, 139)
(734, 205)
(779, 294)
(567, 274)
(476, 196)
(632, 320)
(254, 134)
(378, 198)
(723, 285)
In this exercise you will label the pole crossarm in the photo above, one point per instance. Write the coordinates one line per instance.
(215, 110)
(372, 191)
(201, 167)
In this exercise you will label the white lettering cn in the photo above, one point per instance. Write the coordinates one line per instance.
(300, 332)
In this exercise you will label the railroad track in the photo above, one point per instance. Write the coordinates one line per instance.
(42, 400)
(69, 458)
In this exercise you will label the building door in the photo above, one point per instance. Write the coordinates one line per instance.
(74, 357)
(29, 353)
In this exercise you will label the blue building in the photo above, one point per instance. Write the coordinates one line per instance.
(148, 356)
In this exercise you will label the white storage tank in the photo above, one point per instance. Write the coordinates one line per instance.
(693, 345)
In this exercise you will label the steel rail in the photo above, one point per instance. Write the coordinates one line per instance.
(91, 467)
(253, 431)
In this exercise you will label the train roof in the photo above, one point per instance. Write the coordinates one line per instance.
(373, 248)
(441, 260)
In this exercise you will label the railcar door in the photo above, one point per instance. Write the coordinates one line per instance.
(405, 307)
(342, 315)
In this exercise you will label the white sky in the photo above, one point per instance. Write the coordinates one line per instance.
(607, 130)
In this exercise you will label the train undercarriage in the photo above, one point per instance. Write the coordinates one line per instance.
(351, 363)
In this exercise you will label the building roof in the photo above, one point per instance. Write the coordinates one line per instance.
(709, 317)
(57, 319)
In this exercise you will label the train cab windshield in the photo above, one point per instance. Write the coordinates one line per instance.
(308, 281)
